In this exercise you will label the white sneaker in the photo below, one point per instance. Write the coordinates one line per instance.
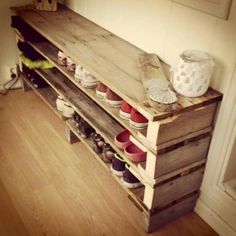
(79, 73)
(60, 103)
(88, 80)
(68, 111)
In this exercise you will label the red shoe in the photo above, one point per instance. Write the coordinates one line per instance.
(125, 110)
(137, 120)
(122, 139)
(134, 153)
(101, 90)
(113, 99)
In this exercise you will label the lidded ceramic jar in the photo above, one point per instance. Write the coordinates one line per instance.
(191, 76)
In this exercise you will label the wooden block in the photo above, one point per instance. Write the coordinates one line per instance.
(173, 189)
(70, 136)
(46, 5)
(186, 123)
(170, 213)
(177, 156)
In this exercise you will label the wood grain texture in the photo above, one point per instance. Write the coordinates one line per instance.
(111, 59)
(49, 187)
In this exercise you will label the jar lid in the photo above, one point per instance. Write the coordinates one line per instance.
(195, 56)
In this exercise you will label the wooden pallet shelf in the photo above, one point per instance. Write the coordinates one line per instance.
(112, 60)
(176, 141)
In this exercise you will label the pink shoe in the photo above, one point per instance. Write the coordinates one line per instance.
(113, 99)
(125, 110)
(134, 153)
(122, 139)
(137, 120)
(101, 90)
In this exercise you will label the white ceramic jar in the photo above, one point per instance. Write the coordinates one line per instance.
(191, 76)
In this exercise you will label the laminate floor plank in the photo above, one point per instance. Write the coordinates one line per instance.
(50, 187)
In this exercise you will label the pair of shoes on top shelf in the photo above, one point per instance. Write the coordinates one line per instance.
(66, 61)
(64, 107)
(111, 98)
(100, 146)
(136, 119)
(83, 127)
(87, 80)
(120, 168)
(133, 152)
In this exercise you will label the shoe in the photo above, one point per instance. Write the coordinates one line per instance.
(70, 65)
(134, 153)
(122, 139)
(88, 81)
(60, 103)
(61, 58)
(98, 141)
(137, 120)
(84, 128)
(113, 99)
(107, 153)
(125, 110)
(38, 82)
(76, 118)
(68, 111)
(129, 180)
(101, 90)
(79, 73)
(118, 165)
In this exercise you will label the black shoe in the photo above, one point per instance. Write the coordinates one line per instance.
(107, 153)
(84, 128)
(98, 141)
(118, 165)
(129, 180)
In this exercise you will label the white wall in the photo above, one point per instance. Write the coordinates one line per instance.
(7, 39)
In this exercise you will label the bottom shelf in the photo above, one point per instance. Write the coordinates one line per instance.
(136, 195)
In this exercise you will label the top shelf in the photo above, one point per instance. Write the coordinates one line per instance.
(111, 59)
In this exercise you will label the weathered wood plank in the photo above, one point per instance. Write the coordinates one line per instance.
(174, 211)
(173, 189)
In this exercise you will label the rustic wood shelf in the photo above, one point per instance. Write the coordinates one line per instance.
(176, 141)
(111, 59)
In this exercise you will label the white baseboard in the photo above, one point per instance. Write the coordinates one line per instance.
(214, 220)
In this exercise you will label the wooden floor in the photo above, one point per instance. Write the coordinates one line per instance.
(49, 187)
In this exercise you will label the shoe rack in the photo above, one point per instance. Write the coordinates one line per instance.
(176, 141)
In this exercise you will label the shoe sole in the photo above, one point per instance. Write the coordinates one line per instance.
(88, 85)
(100, 94)
(116, 172)
(136, 125)
(113, 103)
(131, 185)
(124, 115)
